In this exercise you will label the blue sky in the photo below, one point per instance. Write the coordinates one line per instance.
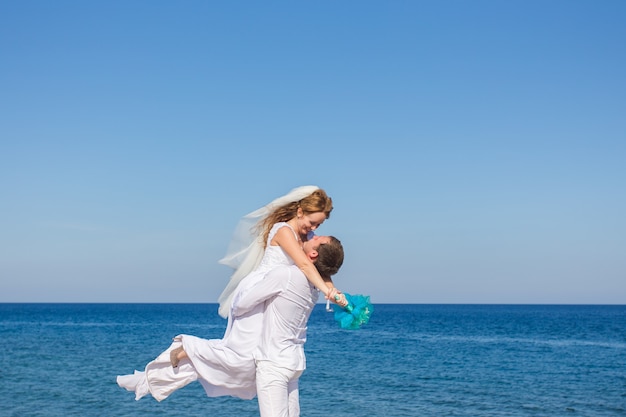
(475, 151)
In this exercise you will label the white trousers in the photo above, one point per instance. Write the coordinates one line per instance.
(277, 390)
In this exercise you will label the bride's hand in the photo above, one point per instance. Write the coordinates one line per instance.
(340, 299)
(335, 295)
(332, 292)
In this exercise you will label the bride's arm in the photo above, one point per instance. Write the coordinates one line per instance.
(287, 241)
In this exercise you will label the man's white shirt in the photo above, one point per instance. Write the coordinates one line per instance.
(289, 299)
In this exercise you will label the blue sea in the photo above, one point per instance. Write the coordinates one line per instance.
(409, 360)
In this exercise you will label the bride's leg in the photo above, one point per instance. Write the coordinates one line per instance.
(163, 379)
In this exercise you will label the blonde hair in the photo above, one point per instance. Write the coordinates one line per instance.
(317, 201)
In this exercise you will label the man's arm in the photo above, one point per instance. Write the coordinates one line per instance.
(274, 282)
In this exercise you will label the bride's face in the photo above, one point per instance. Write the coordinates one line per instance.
(309, 222)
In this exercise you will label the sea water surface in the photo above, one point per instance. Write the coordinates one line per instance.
(409, 360)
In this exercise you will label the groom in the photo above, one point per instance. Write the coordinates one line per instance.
(289, 299)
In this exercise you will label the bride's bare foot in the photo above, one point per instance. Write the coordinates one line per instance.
(176, 355)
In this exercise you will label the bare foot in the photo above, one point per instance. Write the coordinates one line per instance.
(176, 355)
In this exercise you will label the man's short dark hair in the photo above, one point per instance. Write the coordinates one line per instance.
(329, 258)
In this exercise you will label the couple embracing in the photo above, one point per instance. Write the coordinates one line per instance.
(280, 268)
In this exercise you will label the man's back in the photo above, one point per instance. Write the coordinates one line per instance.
(289, 300)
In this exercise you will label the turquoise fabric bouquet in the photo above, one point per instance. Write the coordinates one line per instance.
(356, 313)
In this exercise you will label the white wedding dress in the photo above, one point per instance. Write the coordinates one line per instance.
(223, 366)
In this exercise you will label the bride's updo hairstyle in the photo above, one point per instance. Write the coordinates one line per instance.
(317, 201)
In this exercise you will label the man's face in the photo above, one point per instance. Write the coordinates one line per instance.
(314, 243)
